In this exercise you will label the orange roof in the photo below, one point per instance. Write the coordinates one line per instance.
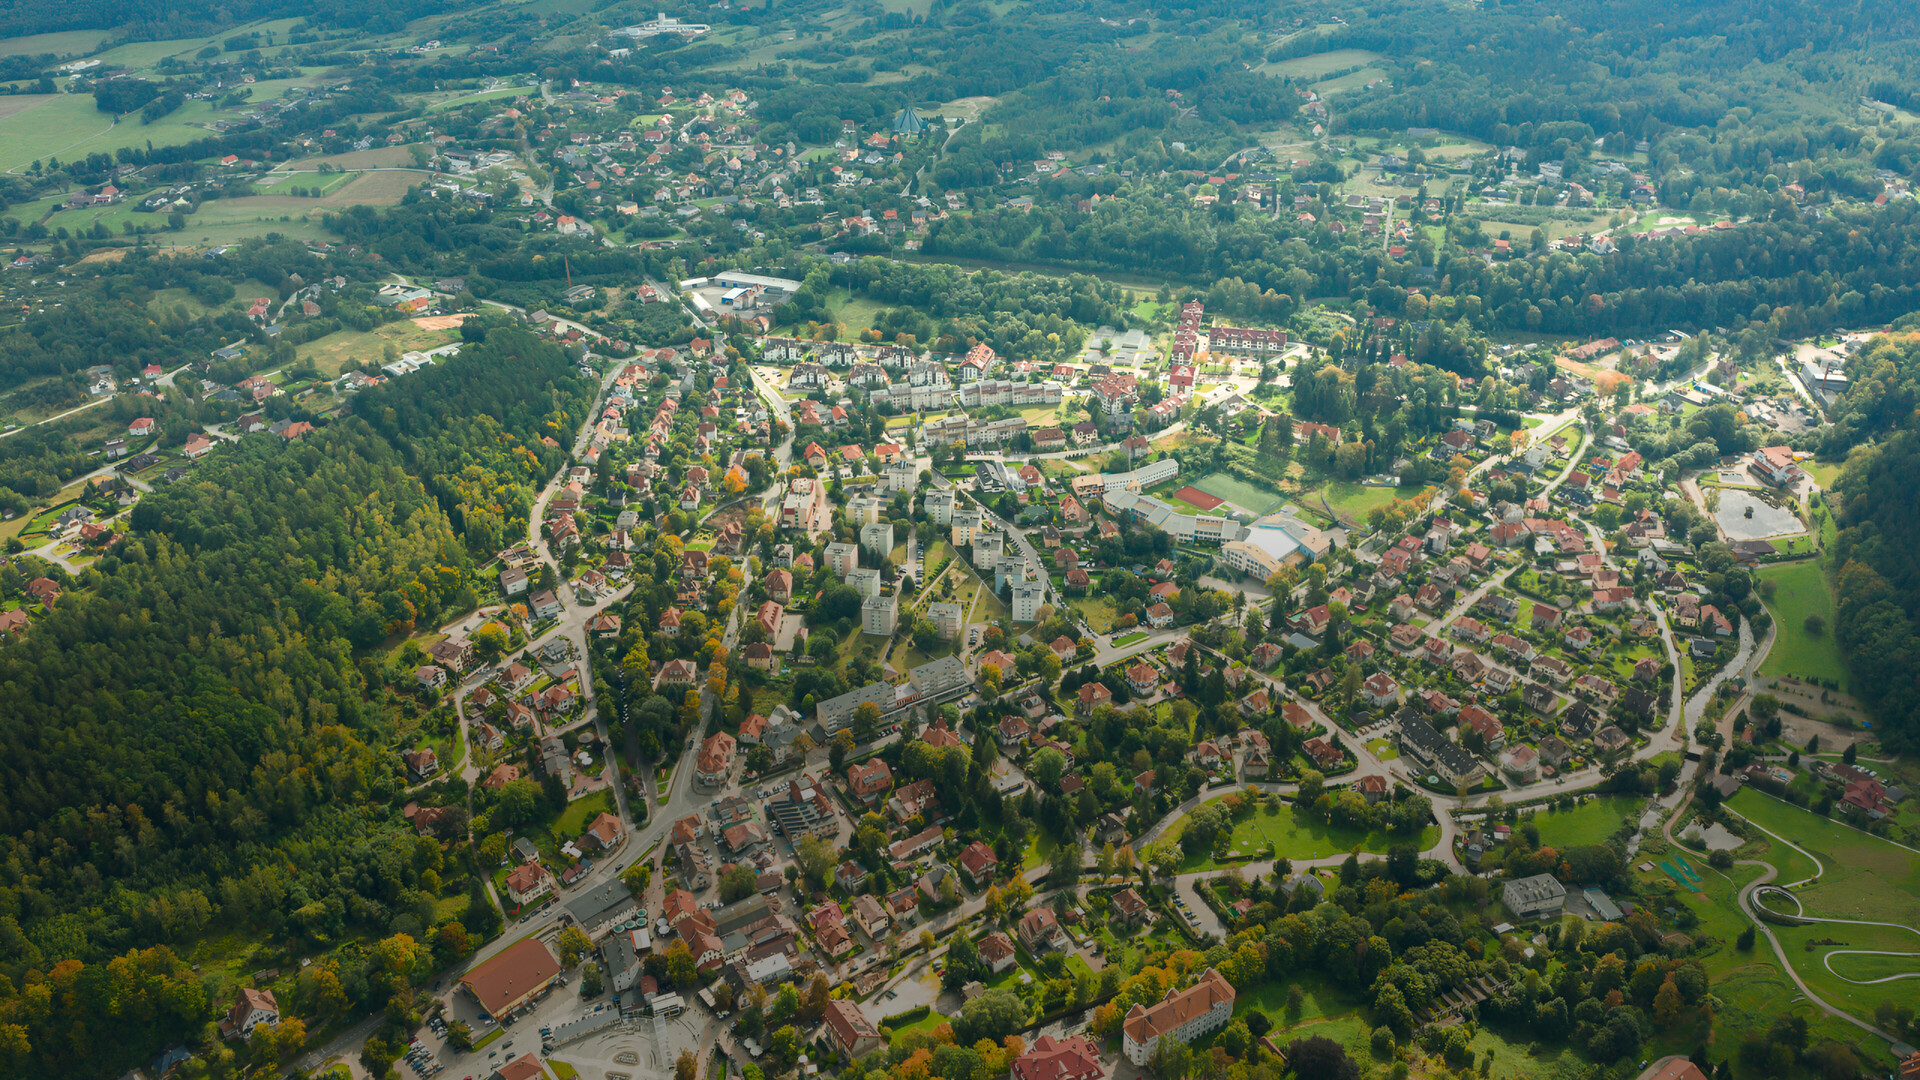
(502, 982)
(1143, 1024)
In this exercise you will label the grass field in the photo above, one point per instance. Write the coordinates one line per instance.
(1292, 836)
(169, 299)
(1589, 823)
(1862, 877)
(323, 183)
(37, 127)
(1751, 988)
(380, 157)
(1310, 67)
(63, 43)
(332, 352)
(1800, 590)
(1097, 610)
(1358, 499)
(481, 95)
(1255, 500)
(1325, 1010)
(1754, 994)
(854, 312)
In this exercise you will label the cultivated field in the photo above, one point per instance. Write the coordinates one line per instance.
(384, 157)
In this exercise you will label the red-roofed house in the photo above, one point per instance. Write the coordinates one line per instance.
(1072, 1058)
(250, 1009)
(850, 1032)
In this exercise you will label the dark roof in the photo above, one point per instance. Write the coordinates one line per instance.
(589, 907)
(1638, 701)
(1415, 730)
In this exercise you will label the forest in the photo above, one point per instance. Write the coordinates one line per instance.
(155, 20)
(1025, 315)
(1797, 275)
(1878, 570)
(193, 737)
(112, 316)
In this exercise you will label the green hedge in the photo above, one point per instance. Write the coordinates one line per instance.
(899, 1020)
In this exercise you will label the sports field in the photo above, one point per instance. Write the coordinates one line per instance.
(1198, 498)
(1252, 498)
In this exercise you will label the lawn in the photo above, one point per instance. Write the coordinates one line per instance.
(573, 820)
(1249, 497)
(1826, 474)
(926, 1023)
(1039, 850)
(1127, 639)
(1293, 836)
(1383, 749)
(1800, 590)
(1589, 823)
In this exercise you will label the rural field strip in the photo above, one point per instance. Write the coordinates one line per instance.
(1799, 911)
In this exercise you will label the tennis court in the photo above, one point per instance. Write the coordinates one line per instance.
(1249, 497)
(1198, 498)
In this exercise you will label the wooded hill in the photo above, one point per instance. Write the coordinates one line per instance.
(193, 737)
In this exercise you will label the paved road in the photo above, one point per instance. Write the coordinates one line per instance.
(94, 404)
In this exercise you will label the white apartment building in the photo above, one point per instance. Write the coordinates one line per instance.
(1028, 599)
(879, 614)
(939, 503)
(987, 549)
(1182, 1016)
(965, 523)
